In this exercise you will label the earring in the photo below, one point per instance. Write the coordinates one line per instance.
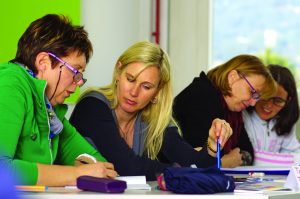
(154, 100)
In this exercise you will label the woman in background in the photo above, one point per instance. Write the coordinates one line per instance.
(223, 93)
(130, 121)
(271, 123)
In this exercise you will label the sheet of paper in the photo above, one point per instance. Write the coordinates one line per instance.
(133, 179)
(135, 182)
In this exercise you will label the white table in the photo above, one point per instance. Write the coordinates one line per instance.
(62, 193)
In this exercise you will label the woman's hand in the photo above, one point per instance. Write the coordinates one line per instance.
(98, 169)
(232, 159)
(61, 175)
(219, 129)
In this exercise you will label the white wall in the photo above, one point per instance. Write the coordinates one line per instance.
(113, 25)
(189, 40)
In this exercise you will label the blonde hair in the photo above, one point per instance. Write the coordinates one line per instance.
(247, 65)
(157, 115)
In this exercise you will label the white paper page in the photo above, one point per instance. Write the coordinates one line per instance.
(135, 182)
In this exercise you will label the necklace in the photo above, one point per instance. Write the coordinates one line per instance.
(127, 132)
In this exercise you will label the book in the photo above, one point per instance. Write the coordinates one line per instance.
(260, 185)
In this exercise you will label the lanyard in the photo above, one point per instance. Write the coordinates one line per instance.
(55, 124)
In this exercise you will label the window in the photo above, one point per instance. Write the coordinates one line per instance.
(269, 29)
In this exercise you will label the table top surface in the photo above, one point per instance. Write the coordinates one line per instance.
(74, 193)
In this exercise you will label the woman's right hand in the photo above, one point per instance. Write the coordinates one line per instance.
(219, 129)
(98, 169)
(62, 175)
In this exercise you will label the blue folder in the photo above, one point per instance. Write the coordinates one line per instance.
(265, 170)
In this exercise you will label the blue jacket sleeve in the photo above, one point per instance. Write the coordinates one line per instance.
(176, 149)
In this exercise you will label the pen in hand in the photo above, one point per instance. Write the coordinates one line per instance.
(218, 154)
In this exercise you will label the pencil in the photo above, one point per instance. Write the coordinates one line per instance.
(31, 188)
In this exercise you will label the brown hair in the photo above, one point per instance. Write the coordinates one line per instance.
(52, 33)
(247, 65)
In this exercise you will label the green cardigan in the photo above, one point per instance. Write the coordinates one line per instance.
(24, 127)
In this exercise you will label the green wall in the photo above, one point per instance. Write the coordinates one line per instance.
(16, 15)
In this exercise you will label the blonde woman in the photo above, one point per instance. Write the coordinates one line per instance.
(130, 121)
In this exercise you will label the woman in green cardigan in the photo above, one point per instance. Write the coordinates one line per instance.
(36, 140)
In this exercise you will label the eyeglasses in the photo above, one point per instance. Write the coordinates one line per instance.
(77, 75)
(278, 101)
(254, 94)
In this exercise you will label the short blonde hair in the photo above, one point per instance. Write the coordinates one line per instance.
(247, 65)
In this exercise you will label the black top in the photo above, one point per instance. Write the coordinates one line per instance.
(196, 107)
(94, 119)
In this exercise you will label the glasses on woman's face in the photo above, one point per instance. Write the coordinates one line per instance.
(278, 101)
(254, 94)
(77, 75)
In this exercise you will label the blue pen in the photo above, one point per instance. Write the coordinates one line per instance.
(218, 154)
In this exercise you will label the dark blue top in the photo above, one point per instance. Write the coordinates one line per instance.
(94, 119)
(196, 106)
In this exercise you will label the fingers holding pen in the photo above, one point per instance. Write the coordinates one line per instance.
(220, 129)
(226, 132)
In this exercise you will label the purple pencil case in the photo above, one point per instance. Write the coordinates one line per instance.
(105, 185)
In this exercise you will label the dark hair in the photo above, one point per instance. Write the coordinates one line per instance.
(289, 114)
(52, 33)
